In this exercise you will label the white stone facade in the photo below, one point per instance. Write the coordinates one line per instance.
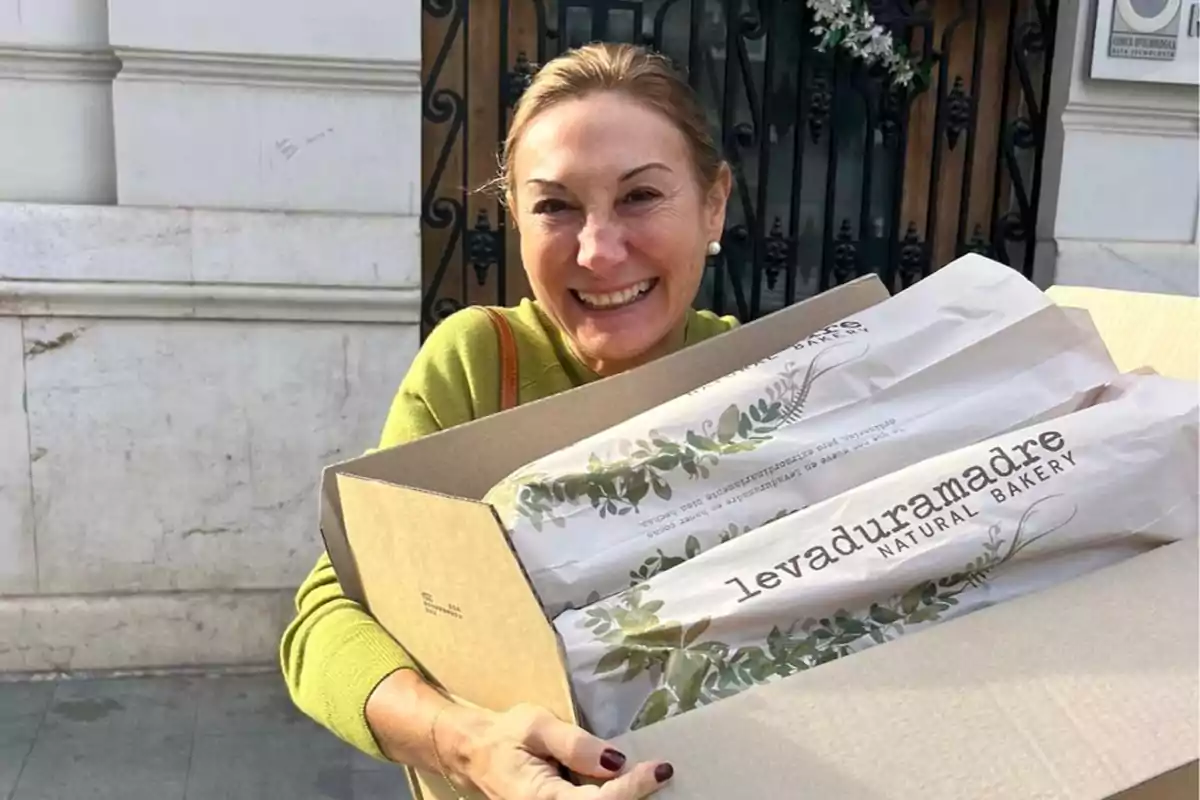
(209, 289)
(1121, 204)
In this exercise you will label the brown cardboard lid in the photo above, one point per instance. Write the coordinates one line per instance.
(1142, 329)
(454, 587)
(1082, 691)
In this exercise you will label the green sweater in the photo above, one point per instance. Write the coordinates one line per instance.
(333, 653)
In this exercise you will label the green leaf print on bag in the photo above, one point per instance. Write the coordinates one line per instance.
(661, 562)
(618, 487)
(689, 673)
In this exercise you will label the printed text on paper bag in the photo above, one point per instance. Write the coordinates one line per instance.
(1008, 473)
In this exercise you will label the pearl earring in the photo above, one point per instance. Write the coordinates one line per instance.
(714, 248)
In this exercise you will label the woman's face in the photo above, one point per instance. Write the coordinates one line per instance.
(614, 225)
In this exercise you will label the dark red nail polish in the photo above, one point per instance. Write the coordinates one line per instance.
(663, 773)
(611, 760)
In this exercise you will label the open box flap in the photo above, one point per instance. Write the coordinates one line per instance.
(459, 589)
(528, 432)
(1141, 328)
(1081, 691)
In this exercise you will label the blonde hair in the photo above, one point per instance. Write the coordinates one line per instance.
(641, 74)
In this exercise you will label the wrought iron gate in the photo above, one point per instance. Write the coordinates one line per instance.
(836, 173)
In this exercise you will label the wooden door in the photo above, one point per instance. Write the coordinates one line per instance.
(470, 249)
(836, 175)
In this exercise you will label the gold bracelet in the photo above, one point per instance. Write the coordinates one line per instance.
(438, 756)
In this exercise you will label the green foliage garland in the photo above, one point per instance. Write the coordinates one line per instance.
(689, 673)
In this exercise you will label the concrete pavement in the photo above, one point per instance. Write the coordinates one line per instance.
(176, 738)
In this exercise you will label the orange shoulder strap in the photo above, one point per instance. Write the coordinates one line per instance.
(508, 359)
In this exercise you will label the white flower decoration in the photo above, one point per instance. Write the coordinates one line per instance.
(851, 25)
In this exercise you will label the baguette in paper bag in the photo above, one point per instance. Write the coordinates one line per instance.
(967, 353)
(936, 540)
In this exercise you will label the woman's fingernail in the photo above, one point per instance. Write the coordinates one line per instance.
(663, 773)
(611, 760)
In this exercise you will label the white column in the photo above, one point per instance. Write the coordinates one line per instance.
(1122, 196)
(56, 72)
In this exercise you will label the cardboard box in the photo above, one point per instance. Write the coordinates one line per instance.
(1088, 690)
(1141, 328)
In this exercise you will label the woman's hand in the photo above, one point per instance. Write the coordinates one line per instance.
(515, 756)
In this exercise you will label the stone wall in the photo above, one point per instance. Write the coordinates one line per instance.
(209, 289)
(1121, 204)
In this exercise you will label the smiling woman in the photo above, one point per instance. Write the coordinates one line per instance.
(619, 194)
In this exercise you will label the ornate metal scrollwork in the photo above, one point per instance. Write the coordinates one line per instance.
(834, 175)
(483, 245)
(519, 78)
(743, 135)
(778, 252)
(845, 254)
(958, 112)
(819, 103)
(914, 257)
(978, 243)
(892, 108)
(442, 106)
